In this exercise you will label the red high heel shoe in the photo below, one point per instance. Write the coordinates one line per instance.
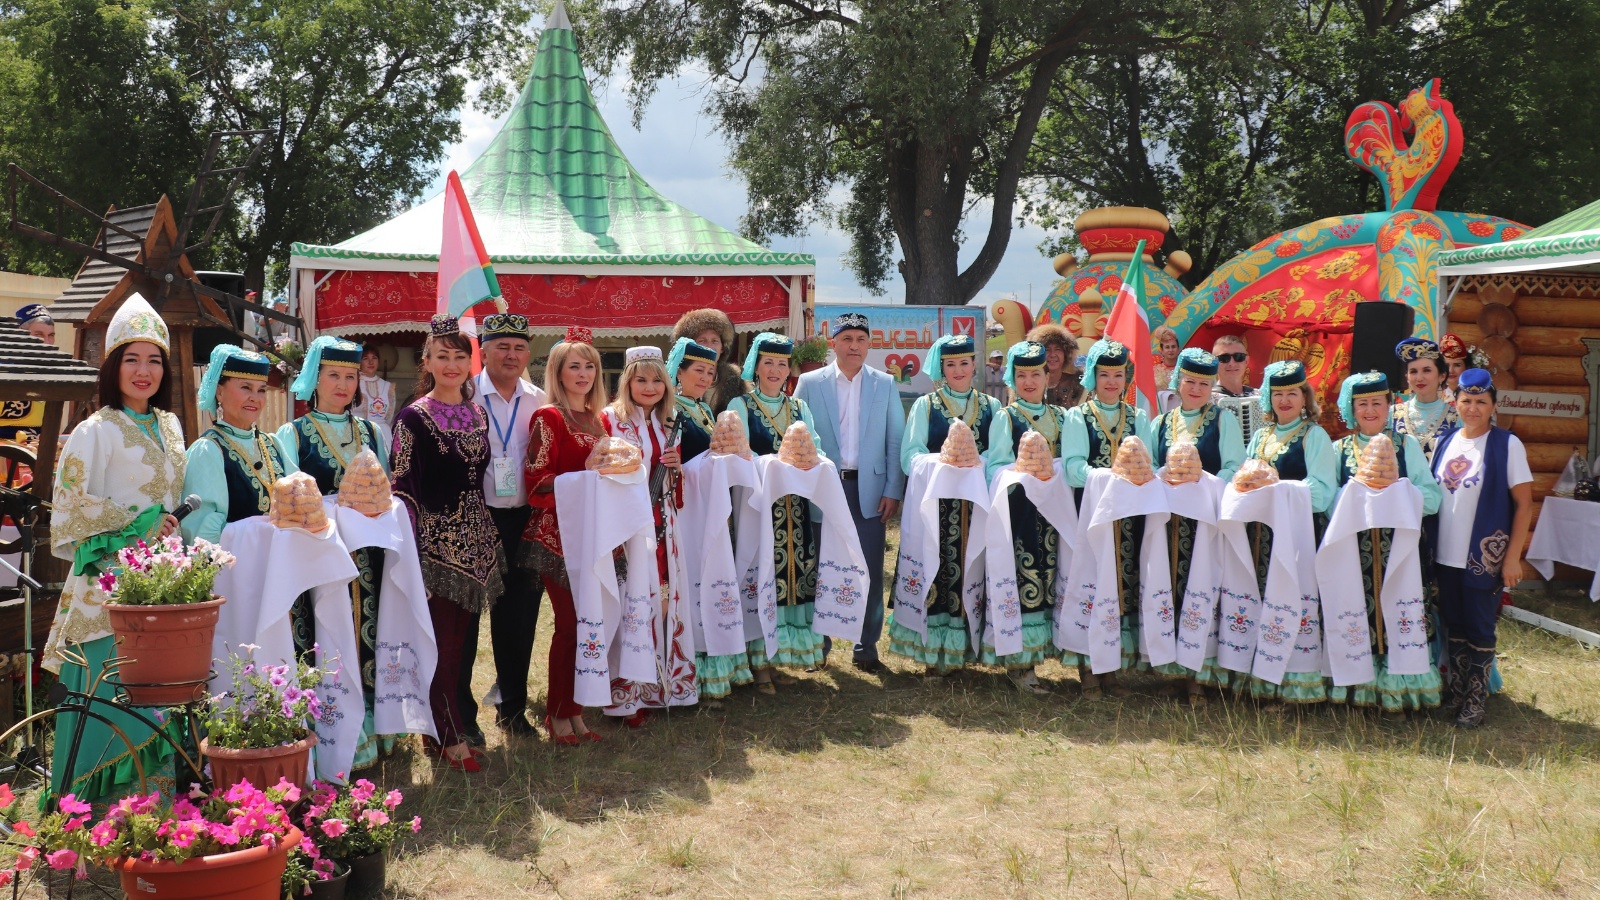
(565, 740)
(468, 763)
(638, 719)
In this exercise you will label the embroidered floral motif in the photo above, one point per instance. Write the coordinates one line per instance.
(1491, 554)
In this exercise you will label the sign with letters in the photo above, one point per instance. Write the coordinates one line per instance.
(901, 336)
(1531, 403)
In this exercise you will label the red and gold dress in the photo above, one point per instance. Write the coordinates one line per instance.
(557, 444)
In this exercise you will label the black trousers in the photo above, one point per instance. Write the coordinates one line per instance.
(515, 615)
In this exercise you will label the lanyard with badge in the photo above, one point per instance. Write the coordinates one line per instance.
(502, 466)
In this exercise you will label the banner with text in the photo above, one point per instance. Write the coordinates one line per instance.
(901, 336)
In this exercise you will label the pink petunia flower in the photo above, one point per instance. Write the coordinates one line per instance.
(61, 859)
(72, 806)
(392, 799)
(416, 824)
(334, 827)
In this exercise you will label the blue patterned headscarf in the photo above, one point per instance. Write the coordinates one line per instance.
(1025, 355)
(1108, 353)
(1278, 376)
(687, 349)
(1194, 361)
(229, 361)
(949, 345)
(1362, 384)
(767, 343)
(337, 350)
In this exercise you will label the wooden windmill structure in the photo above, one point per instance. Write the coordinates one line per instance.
(145, 250)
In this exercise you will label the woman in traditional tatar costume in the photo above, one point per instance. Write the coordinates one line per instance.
(1034, 540)
(693, 367)
(766, 414)
(119, 473)
(1425, 415)
(233, 465)
(441, 451)
(1300, 450)
(1221, 444)
(712, 329)
(641, 415)
(1482, 529)
(952, 362)
(560, 438)
(1093, 432)
(1457, 359)
(1365, 403)
(322, 443)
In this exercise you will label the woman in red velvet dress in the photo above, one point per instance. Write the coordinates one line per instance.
(560, 437)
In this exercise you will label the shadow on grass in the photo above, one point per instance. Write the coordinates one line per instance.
(531, 789)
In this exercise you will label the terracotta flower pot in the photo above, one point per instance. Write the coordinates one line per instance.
(262, 767)
(368, 874)
(167, 650)
(254, 874)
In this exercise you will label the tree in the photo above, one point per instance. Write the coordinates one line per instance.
(361, 96)
(85, 106)
(916, 109)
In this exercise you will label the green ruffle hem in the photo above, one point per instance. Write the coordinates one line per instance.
(716, 676)
(1038, 644)
(104, 769)
(1393, 693)
(798, 645)
(946, 649)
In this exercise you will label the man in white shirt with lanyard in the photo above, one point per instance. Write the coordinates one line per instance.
(509, 401)
(860, 419)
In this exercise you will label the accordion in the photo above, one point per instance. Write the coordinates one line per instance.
(1246, 410)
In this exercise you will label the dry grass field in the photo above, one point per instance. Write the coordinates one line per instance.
(848, 785)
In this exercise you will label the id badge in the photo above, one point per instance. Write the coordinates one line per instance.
(505, 477)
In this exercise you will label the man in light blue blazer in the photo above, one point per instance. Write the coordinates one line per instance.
(859, 421)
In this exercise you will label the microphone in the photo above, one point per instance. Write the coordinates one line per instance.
(189, 505)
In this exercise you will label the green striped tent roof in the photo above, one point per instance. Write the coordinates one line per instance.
(554, 188)
(1572, 239)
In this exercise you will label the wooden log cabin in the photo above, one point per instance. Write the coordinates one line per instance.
(1533, 306)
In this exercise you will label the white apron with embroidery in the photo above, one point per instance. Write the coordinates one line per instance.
(616, 621)
(1196, 634)
(715, 602)
(840, 606)
(1090, 622)
(406, 653)
(1344, 606)
(273, 567)
(1002, 628)
(1259, 635)
(672, 628)
(930, 482)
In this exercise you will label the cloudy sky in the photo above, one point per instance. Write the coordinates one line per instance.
(681, 155)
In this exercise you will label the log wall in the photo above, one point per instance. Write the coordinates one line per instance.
(1530, 324)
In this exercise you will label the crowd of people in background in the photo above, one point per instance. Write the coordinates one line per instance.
(475, 460)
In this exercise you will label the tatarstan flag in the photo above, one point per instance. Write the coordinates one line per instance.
(1130, 326)
(466, 277)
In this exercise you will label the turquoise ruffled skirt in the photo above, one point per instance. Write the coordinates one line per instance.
(946, 649)
(1130, 653)
(798, 645)
(715, 677)
(1297, 687)
(1392, 693)
(1038, 644)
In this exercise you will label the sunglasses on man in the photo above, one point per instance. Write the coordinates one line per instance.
(1232, 357)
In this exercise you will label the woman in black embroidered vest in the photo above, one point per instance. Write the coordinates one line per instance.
(1365, 403)
(1482, 530)
(233, 465)
(1033, 539)
(1300, 450)
(322, 443)
(952, 362)
(1094, 430)
(767, 413)
(441, 451)
(1221, 444)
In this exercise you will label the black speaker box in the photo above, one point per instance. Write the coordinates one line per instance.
(1379, 325)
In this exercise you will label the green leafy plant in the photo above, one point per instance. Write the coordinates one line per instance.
(268, 706)
(165, 573)
(811, 350)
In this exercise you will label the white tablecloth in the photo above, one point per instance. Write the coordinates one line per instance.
(1568, 532)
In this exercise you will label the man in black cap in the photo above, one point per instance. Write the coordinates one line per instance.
(859, 420)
